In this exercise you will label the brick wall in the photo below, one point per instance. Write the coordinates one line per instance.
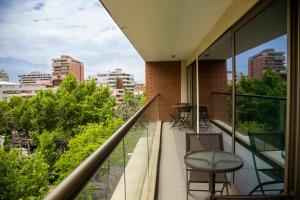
(164, 78)
(255, 68)
(213, 78)
(77, 71)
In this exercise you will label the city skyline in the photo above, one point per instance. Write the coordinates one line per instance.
(38, 31)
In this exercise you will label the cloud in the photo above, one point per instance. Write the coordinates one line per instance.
(38, 32)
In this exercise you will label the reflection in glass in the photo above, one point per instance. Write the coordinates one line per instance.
(260, 79)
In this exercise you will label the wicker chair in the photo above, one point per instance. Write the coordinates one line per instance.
(201, 141)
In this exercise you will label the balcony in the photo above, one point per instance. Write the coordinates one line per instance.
(144, 159)
(188, 57)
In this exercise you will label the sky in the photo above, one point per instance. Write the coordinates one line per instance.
(279, 44)
(39, 30)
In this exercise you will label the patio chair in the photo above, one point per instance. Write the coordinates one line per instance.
(204, 116)
(204, 141)
(258, 197)
(181, 115)
(262, 142)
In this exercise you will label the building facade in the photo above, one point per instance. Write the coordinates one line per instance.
(3, 76)
(9, 90)
(117, 81)
(267, 59)
(116, 78)
(66, 65)
(34, 78)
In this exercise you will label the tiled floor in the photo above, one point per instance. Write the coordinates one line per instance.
(172, 174)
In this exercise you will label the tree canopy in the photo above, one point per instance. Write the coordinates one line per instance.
(64, 125)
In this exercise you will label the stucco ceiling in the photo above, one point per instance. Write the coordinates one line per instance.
(159, 29)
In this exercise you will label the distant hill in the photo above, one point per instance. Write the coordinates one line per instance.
(14, 66)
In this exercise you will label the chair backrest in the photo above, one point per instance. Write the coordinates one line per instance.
(260, 197)
(267, 141)
(203, 111)
(186, 108)
(204, 141)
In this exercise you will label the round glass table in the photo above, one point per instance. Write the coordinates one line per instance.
(213, 162)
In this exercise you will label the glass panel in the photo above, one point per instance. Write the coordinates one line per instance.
(108, 178)
(131, 155)
(215, 88)
(190, 91)
(261, 47)
(137, 156)
(194, 96)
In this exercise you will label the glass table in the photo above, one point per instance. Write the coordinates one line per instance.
(213, 162)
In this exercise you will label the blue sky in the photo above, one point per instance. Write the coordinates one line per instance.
(39, 30)
(279, 44)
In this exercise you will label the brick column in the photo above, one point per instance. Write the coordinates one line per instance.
(164, 78)
(213, 78)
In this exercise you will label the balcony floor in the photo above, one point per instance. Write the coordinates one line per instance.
(172, 172)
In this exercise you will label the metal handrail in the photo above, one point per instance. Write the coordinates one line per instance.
(70, 187)
(254, 96)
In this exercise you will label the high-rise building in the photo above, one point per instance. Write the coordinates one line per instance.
(3, 75)
(115, 79)
(34, 78)
(267, 59)
(66, 65)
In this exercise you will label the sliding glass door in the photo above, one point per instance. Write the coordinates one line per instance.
(260, 55)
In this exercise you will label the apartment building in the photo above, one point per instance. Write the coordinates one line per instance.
(117, 81)
(186, 46)
(111, 79)
(267, 59)
(10, 89)
(66, 65)
(34, 78)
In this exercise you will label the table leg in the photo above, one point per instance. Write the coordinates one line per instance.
(212, 190)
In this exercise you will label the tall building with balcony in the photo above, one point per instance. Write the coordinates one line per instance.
(34, 78)
(267, 59)
(3, 75)
(115, 78)
(66, 65)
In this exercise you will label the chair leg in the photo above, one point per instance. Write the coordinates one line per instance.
(187, 186)
(227, 189)
(223, 187)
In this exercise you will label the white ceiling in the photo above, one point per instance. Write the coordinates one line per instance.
(159, 29)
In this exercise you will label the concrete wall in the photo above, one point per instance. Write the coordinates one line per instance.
(164, 78)
(213, 78)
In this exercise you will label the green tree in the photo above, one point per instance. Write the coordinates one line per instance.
(132, 103)
(6, 118)
(261, 114)
(22, 177)
(83, 144)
